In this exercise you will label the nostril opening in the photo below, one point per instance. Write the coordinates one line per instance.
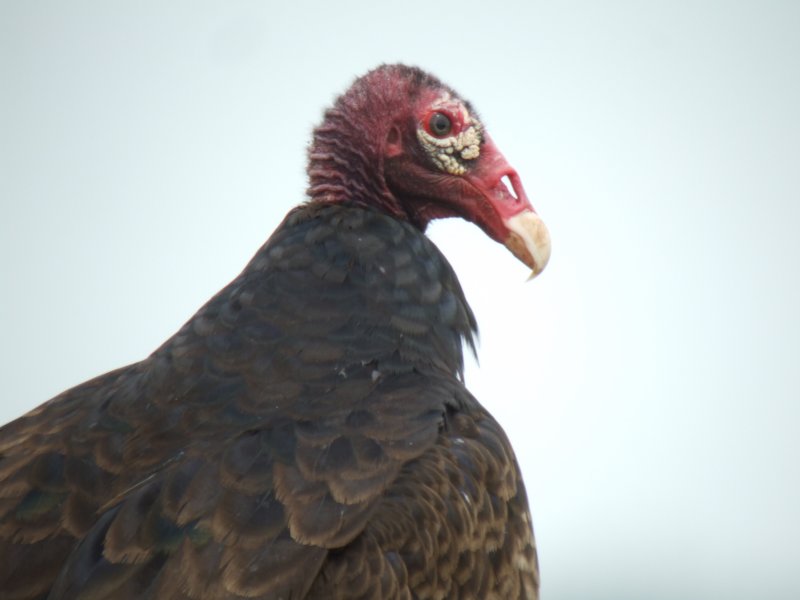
(506, 181)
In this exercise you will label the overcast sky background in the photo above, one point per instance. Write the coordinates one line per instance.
(649, 378)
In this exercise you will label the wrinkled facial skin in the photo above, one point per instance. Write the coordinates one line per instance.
(444, 164)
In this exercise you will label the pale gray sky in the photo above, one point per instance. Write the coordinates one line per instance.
(648, 379)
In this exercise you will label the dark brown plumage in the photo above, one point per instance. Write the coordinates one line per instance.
(307, 433)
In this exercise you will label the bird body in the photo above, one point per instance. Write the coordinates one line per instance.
(306, 434)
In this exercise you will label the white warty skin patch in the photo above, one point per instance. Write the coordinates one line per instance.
(448, 152)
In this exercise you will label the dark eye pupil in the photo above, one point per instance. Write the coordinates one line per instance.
(440, 124)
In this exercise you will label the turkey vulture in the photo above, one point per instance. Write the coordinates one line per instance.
(306, 434)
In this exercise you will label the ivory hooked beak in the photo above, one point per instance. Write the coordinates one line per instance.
(528, 240)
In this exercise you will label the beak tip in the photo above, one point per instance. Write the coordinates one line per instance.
(529, 241)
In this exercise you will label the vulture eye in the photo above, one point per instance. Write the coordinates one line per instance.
(439, 124)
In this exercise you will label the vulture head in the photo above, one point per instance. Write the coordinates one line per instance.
(402, 141)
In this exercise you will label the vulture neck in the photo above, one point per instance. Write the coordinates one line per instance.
(345, 165)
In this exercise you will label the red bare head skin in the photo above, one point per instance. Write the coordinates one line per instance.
(402, 141)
